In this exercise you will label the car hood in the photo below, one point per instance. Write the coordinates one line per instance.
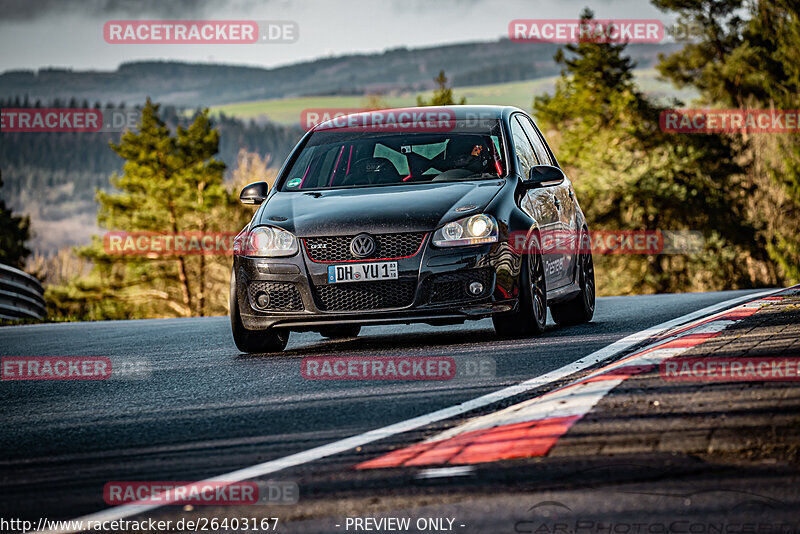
(410, 208)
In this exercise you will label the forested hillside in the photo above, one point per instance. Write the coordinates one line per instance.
(402, 69)
(53, 176)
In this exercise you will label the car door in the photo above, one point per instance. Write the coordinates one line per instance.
(564, 201)
(538, 202)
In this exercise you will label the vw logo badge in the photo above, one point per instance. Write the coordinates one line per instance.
(362, 246)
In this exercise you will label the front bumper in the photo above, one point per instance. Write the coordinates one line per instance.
(431, 288)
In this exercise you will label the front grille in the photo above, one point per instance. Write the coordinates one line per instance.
(337, 248)
(452, 287)
(283, 296)
(366, 295)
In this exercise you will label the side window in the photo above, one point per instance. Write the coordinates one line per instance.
(326, 167)
(523, 148)
(536, 140)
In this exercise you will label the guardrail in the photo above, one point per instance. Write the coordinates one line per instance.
(21, 295)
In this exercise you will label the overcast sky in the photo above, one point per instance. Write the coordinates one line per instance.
(69, 33)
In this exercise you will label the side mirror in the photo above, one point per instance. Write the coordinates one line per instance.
(544, 176)
(254, 194)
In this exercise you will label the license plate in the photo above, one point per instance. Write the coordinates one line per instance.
(362, 272)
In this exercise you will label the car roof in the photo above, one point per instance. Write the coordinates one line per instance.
(458, 112)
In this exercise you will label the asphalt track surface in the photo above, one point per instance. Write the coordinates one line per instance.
(204, 409)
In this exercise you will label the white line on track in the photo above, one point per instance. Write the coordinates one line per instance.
(444, 472)
(310, 455)
(579, 397)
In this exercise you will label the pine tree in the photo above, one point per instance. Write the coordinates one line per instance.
(749, 57)
(631, 175)
(14, 234)
(169, 184)
(442, 95)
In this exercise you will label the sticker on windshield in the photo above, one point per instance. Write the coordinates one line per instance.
(294, 182)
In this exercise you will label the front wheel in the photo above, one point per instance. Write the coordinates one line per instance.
(580, 309)
(531, 315)
(253, 341)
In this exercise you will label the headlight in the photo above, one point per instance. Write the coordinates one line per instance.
(452, 231)
(468, 231)
(269, 241)
(480, 225)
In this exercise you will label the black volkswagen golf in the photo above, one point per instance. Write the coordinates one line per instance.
(433, 215)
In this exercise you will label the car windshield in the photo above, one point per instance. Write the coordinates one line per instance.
(347, 157)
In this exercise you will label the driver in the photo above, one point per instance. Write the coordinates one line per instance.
(465, 153)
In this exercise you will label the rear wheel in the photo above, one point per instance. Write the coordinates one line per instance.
(580, 309)
(340, 332)
(531, 316)
(254, 341)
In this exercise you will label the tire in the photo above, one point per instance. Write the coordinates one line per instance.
(254, 341)
(341, 332)
(579, 309)
(531, 315)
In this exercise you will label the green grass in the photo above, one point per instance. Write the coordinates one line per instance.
(648, 82)
(520, 94)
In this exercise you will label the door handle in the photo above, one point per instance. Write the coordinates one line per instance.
(557, 202)
(571, 194)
